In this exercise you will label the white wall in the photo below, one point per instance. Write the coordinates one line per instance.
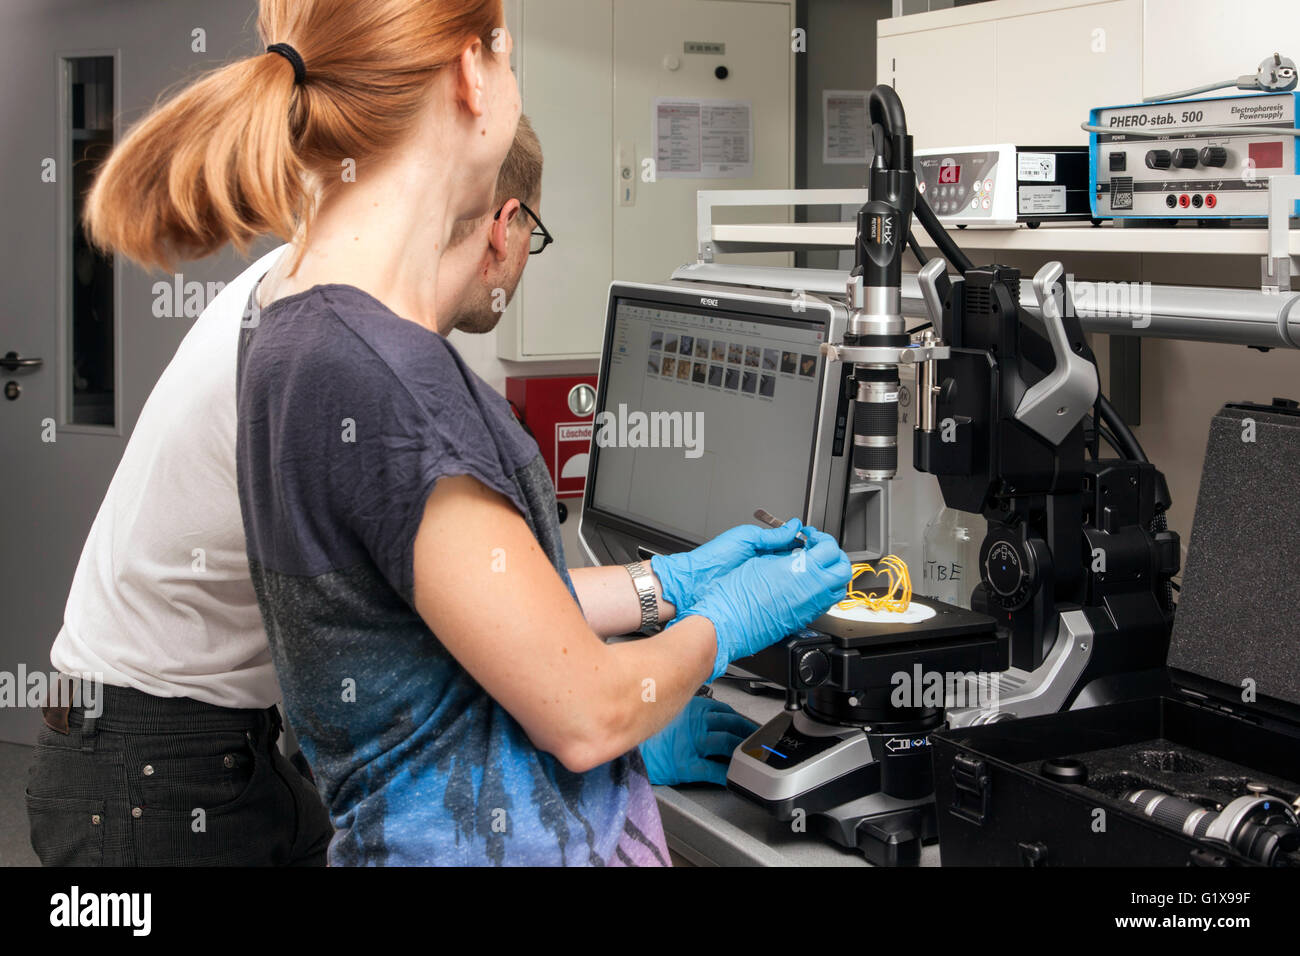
(841, 56)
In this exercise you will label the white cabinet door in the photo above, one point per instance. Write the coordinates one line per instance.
(590, 72)
(1053, 67)
(1229, 38)
(946, 80)
(1027, 79)
(565, 68)
(654, 230)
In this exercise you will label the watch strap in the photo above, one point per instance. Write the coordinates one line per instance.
(644, 583)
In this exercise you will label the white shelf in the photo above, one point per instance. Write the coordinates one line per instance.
(1047, 238)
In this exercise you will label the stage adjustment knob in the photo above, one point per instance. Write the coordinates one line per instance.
(1009, 572)
(1158, 159)
(813, 667)
(1214, 156)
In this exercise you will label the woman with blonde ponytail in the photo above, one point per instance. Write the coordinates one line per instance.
(447, 677)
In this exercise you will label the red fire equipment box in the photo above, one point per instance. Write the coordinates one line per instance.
(558, 410)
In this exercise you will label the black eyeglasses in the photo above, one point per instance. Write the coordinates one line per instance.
(540, 237)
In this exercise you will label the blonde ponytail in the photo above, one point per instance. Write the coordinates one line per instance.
(246, 150)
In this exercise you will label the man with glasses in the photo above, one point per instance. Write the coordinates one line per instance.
(485, 259)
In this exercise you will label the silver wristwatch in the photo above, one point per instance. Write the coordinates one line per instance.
(644, 583)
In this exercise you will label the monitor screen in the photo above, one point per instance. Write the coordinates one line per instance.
(705, 416)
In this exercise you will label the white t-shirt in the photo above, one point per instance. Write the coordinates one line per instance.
(162, 600)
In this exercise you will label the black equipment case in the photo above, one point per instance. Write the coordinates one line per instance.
(1059, 789)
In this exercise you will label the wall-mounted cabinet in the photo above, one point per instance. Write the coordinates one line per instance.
(1011, 71)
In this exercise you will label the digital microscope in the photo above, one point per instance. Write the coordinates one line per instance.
(1074, 589)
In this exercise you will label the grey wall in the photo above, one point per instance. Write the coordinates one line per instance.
(841, 56)
(903, 8)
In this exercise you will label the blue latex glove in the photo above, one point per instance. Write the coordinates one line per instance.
(771, 596)
(686, 576)
(705, 728)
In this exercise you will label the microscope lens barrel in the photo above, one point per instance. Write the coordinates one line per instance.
(1257, 826)
(875, 422)
(1173, 812)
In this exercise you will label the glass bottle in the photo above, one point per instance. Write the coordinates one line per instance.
(950, 556)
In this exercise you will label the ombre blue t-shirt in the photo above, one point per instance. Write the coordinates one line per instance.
(348, 416)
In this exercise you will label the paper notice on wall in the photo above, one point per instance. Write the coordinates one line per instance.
(846, 135)
(704, 139)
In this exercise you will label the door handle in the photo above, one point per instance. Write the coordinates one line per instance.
(12, 363)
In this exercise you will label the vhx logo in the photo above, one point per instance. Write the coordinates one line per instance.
(882, 229)
(711, 303)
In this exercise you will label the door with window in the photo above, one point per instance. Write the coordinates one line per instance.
(83, 337)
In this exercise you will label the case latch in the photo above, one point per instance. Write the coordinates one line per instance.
(1033, 854)
(971, 797)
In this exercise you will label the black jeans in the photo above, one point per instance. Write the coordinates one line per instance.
(154, 781)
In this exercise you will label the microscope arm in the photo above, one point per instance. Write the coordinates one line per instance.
(1053, 406)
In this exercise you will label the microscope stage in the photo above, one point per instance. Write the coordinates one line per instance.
(861, 628)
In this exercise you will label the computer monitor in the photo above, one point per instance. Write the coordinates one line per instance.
(712, 402)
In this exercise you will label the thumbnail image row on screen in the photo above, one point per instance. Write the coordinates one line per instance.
(717, 376)
(733, 353)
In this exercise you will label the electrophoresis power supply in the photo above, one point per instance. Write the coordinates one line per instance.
(1196, 167)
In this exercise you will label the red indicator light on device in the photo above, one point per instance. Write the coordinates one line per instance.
(950, 173)
(1265, 155)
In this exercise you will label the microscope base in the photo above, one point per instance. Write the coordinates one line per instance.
(887, 831)
(828, 779)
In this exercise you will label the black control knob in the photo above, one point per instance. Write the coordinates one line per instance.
(1214, 156)
(813, 667)
(1185, 158)
(1010, 571)
(1158, 159)
(1004, 569)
